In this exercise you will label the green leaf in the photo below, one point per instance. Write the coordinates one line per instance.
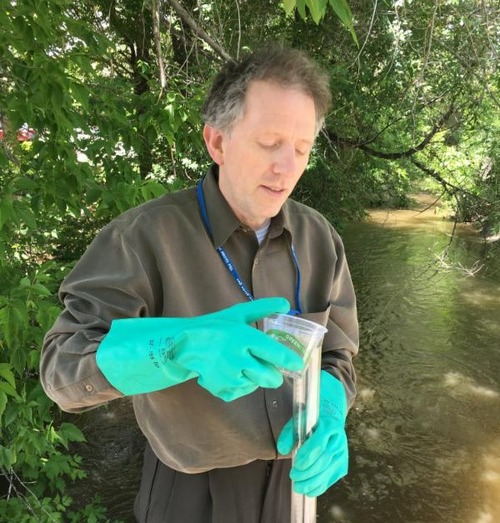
(152, 189)
(18, 360)
(343, 11)
(7, 374)
(301, 8)
(8, 389)
(41, 290)
(26, 216)
(57, 465)
(151, 134)
(33, 359)
(70, 432)
(13, 318)
(80, 94)
(11, 414)
(7, 457)
(6, 210)
(289, 6)
(3, 404)
(83, 62)
(46, 316)
(317, 9)
(23, 183)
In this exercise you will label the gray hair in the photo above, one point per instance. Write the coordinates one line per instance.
(288, 68)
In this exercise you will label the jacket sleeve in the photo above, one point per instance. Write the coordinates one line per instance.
(342, 339)
(110, 281)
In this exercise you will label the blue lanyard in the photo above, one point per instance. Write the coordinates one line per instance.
(229, 264)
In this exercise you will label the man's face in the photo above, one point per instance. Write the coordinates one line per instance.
(262, 158)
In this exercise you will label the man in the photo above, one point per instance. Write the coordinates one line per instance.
(163, 307)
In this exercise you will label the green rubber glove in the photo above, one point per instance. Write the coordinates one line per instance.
(229, 357)
(323, 458)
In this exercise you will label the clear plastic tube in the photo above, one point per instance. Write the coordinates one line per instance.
(304, 337)
(305, 416)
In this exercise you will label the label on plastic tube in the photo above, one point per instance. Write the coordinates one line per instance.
(288, 339)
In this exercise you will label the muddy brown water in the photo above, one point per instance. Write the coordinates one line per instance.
(425, 430)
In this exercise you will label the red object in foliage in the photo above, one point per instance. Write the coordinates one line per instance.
(26, 134)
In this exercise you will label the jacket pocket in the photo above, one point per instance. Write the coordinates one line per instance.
(320, 317)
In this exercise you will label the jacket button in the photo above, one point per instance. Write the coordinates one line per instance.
(89, 388)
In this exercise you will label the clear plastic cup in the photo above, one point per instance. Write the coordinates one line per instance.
(301, 335)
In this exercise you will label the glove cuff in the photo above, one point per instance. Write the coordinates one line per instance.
(137, 355)
(333, 399)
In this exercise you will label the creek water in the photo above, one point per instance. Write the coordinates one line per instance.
(425, 430)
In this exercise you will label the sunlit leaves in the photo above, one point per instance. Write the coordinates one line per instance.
(343, 11)
(68, 432)
(317, 10)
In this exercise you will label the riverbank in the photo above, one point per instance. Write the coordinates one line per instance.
(426, 210)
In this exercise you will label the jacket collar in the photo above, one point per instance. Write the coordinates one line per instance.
(222, 219)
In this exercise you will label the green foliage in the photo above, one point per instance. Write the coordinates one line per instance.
(50, 55)
(317, 9)
(32, 509)
(34, 456)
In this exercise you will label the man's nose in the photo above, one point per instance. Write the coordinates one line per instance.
(285, 161)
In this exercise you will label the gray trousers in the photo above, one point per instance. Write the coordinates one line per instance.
(255, 493)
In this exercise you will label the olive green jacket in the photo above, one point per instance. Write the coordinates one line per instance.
(158, 260)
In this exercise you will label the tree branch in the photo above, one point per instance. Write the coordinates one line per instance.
(395, 155)
(447, 186)
(155, 8)
(189, 20)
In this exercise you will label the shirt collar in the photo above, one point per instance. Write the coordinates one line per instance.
(281, 222)
(222, 219)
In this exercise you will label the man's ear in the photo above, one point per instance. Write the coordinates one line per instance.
(213, 141)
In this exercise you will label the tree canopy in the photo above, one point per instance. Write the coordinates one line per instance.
(112, 91)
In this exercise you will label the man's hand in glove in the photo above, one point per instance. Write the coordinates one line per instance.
(228, 356)
(323, 458)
